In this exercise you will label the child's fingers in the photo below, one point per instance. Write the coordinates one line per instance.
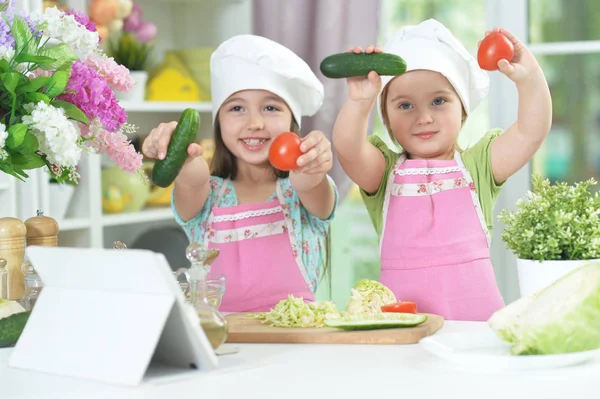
(312, 139)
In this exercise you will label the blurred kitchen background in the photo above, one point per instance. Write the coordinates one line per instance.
(168, 47)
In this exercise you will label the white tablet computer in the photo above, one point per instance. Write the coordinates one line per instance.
(107, 315)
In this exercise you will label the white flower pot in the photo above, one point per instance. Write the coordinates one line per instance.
(138, 91)
(535, 275)
(60, 198)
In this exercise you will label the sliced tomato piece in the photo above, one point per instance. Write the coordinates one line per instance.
(400, 307)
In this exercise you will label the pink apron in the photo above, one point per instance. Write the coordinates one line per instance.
(258, 254)
(435, 243)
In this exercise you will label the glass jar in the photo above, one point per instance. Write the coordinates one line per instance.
(33, 285)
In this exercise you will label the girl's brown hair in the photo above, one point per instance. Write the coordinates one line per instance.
(223, 162)
(223, 165)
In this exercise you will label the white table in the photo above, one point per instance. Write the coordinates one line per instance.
(324, 371)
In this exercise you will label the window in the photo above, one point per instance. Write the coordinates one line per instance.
(565, 37)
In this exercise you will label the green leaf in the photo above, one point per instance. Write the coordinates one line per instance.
(29, 145)
(33, 85)
(16, 135)
(36, 97)
(22, 35)
(37, 59)
(11, 80)
(72, 111)
(61, 54)
(58, 84)
(27, 161)
(4, 66)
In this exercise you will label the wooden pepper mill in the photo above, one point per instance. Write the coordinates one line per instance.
(12, 248)
(42, 230)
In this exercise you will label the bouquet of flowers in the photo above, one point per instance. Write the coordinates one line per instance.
(57, 95)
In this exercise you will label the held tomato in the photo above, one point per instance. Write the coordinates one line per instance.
(285, 151)
(400, 307)
(494, 47)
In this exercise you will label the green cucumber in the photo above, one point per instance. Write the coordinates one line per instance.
(349, 64)
(374, 321)
(166, 170)
(11, 328)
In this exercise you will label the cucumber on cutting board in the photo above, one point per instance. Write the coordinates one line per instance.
(11, 328)
(349, 64)
(374, 321)
(166, 170)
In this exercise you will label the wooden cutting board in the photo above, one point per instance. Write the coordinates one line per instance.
(243, 329)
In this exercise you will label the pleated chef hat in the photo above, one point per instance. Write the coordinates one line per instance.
(250, 62)
(431, 46)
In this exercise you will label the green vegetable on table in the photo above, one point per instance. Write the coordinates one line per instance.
(562, 318)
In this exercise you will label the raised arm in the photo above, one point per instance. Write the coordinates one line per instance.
(362, 161)
(515, 147)
(192, 185)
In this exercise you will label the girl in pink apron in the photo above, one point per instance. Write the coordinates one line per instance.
(270, 226)
(432, 204)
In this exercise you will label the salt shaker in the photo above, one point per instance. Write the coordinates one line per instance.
(42, 230)
(12, 249)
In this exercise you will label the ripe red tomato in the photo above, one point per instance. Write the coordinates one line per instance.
(285, 151)
(494, 47)
(400, 307)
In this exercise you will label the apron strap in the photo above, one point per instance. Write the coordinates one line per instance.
(209, 222)
(474, 197)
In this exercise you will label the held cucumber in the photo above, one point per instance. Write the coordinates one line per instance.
(166, 170)
(350, 64)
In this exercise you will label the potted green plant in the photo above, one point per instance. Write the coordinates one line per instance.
(555, 230)
(132, 48)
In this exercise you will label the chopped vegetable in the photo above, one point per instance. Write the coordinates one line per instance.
(369, 296)
(294, 312)
(400, 307)
(562, 318)
(8, 308)
(373, 321)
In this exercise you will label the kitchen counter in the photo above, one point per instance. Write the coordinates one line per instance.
(324, 371)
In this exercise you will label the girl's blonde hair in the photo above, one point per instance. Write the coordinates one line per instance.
(386, 121)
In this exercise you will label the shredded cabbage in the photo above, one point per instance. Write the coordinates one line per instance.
(294, 312)
(8, 308)
(368, 296)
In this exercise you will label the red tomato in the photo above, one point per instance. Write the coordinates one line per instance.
(494, 47)
(400, 307)
(285, 151)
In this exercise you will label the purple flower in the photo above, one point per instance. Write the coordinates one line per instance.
(90, 92)
(8, 9)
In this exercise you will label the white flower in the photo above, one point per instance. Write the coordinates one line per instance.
(64, 28)
(3, 136)
(58, 137)
(7, 53)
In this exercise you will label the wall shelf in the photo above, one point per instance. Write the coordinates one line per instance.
(165, 106)
(143, 216)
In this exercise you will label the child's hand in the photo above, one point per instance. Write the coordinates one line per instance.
(156, 144)
(317, 157)
(364, 88)
(523, 63)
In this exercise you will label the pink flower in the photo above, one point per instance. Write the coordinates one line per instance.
(88, 91)
(134, 20)
(114, 144)
(83, 20)
(146, 32)
(117, 76)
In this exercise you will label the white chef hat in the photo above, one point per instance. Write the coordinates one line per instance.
(250, 62)
(431, 46)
